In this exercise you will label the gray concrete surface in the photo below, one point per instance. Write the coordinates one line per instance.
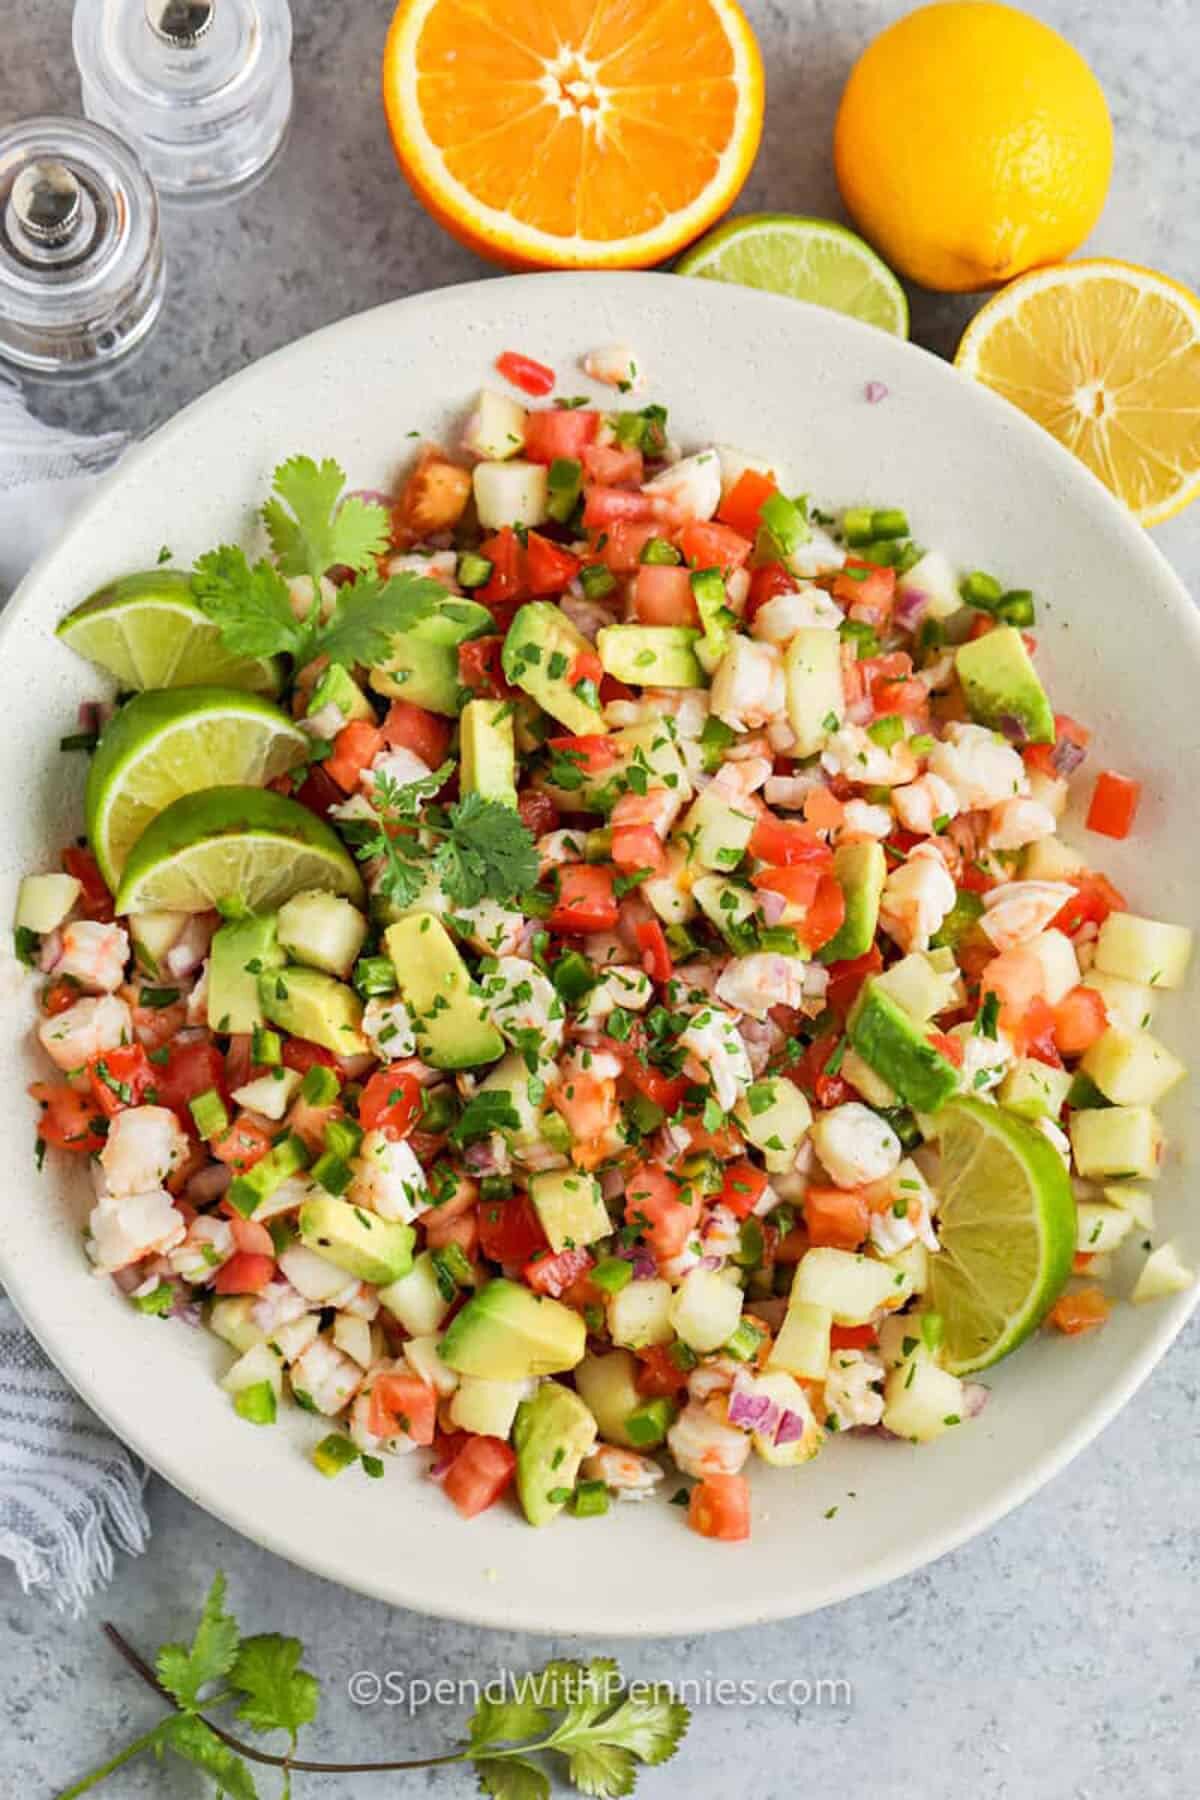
(1053, 1659)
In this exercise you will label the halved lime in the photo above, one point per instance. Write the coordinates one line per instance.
(234, 842)
(1007, 1225)
(148, 631)
(808, 259)
(173, 742)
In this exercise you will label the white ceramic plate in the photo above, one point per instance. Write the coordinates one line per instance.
(1122, 651)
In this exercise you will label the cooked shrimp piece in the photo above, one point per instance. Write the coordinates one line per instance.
(1021, 910)
(855, 1145)
(748, 687)
(72, 1037)
(755, 983)
(720, 1232)
(144, 1147)
(853, 1389)
(917, 895)
(692, 486)
(716, 1054)
(703, 1444)
(94, 955)
(388, 1179)
(862, 819)
(522, 1002)
(926, 804)
(442, 566)
(401, 767)
(781, 618)
(852, 753)
(628, 988)
(625, 1473)
(124, 1231)
(737, 779)
(658, 807)
(326, 1377)
(979, 766)
(209, 1244)
(388, 1025)
(1015, 823)
(715, 1375)
(556, 848)
(616, 365)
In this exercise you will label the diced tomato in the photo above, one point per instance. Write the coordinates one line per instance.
(120, 1077)
(586, 901)
(536, 811)
(409, 727)
(319, 792)
(766, 583)
(245, 1143)
(798, 885)
(637, 847)
(1079, 1312)
(662, 595)
(300, 1055)
(548, 567)
(620, 544)
(744, 1187)
(825, 916)
(853, 1337)
(604, 507)
(1033, 1033)
(481, 670)
(846, 978)
(591, 755)
(244, 1273)
(949, 1047)
(354, 749)
(560, 431)
(1079, 1019)
(719, 1507)
(69, 1120)
(523, 372)
(656, 956)
(869, 595)
(1066, 730)
(585, 666)
(666, 1091)
(658, 1375)
(1114, 804)
(742, 505)
(664, 1212)
(889, 681)
(190, 1069)
(506, 581)
(709, 546)
(479, 1474)
(837, 1218)
(510, 1231)
(463, 1230)
(390, 1103)
(823, 810)
(552, 1275)
(611, 465)
(402, 1404)
(810, 1074)
(95, 902)
(1094, 899)
(59, 995)
(787, 844)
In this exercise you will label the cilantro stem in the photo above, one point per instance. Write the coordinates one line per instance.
(146, 1742)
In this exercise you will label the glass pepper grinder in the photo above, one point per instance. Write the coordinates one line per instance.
(81, 269)
(201, 88)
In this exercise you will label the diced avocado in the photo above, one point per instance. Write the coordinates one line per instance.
(860, 870)
(570, 1206)
(552, 1434)
(366, 1246)
(243, 950)
(608, 1385)
(489, 757)
(539, 654)
(506, 1331)
(715, 832)
(323, 931)
(816, 701)
(451, 1026)
(422, 664)
(894, 1044)
(337, 687)
(313, 1005)
(1002, 688)
(651, 655)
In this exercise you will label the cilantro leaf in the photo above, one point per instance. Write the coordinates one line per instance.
(505, 1721)
(602, 1769)
(317, 533)
(184, 1670)
(489, 1110)
(191, 1739)
(511, 1779)
(369, 612)
(605, 1729)
(279, 1695)
(251, 607)
(488, 852)
(651, 1726)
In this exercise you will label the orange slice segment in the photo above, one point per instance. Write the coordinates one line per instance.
(1105, 355)
(574, 133)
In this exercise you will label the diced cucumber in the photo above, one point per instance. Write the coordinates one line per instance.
(496, 429)
(706, 1309)
(229, 1318)
(921, 1401)
(1163, 1273)
(1034, 1089)
(1051, 860)
(321, 930)
(1112, 1141)
(1131, 1068)
(356, 1338)
(153, 934)
(775, 1117)
(1145, 950)
(1133, 1200)
(261, 1363)
(511, 1076)
(802, 1346)
(873, 1088)
(270, 1095)
(607, 1385)
(816, 701)
(715, 833)
(923, 984)
(1130, 1005)
(1100, 1228)
(423, 1356)
(43, 902)
(416, 1299)
(511, 493)
(728, 906)
(486, 1407)
(668, 892)
(640, 1315)
(912, 1263)
(569, 1204)
(933, 580)
(851, 1287)
(901, 1341)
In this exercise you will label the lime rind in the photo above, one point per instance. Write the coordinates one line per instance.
(809, 259)
(1006, 1222)
(148, 632)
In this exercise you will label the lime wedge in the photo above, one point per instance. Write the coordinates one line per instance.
(1007, 1225)
(173, 742)
(807, 259)
(234, 842)
(148, 632)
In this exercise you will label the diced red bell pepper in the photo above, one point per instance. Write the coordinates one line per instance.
(242, 1145)
(354, 749)
(1066, 730)
(1094, 899)
(658, 1375)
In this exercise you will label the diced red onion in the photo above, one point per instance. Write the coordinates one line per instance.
(644, 1266)
(772, 905)
(441, 1467)
(481, 1158)
(89, 715)
(910, 608)
(1066, 756)
(861, 712)
(128, 1280)
(1013, 728)
(711, 1262)
(875, 391)
(208, 1185)
(50, 951)
(755, 1412)
(791, 1427)
(612, 1183)
(186, 1310)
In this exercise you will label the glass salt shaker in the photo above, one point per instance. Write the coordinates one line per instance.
(201, 88)
(81, 270)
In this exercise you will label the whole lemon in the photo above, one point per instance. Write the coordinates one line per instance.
(972, 143)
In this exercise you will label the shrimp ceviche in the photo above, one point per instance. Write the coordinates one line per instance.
(573, 969)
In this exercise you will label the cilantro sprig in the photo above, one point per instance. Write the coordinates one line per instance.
(312, 530)
(473, 848)
(581, 1714)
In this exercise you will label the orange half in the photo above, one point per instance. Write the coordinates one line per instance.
(574, 133)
